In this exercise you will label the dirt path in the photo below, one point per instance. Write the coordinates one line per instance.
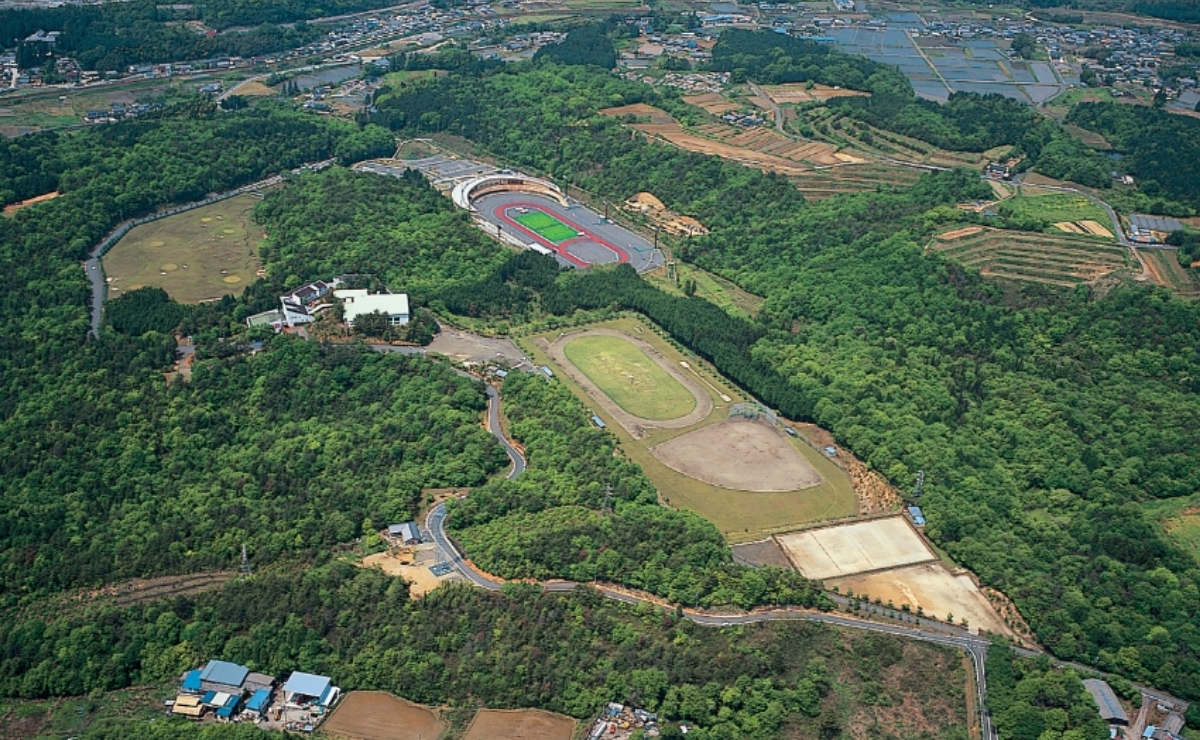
(635, 425)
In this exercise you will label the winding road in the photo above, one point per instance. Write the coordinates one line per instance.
(976, 647)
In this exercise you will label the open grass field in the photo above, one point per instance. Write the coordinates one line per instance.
(1162, 267)
(1052, 207)
(741, 515)
(546, 226)
(1050, 259)
(630, 378)
(198, 255)
(374, 715)
(713, 288)
(519, 724)
(1180, 519)
(846, 549)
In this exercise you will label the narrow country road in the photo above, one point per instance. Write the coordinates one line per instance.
(775, 109)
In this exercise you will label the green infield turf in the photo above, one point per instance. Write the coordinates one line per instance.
(546, 226)
(631, 379)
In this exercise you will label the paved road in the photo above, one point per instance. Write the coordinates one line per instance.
(775, 109)
(1112, 215)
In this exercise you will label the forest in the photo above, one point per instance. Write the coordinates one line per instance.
(1040, 425)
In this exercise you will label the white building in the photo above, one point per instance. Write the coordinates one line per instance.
(357, 302)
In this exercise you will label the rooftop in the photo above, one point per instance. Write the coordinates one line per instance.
(307, 684)
(224, 672)
(390, 304)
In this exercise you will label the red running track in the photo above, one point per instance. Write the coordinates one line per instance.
(499, 212)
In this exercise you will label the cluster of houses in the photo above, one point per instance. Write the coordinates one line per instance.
(305, 304)
(692, 82)
(118, 112)
(222, 691)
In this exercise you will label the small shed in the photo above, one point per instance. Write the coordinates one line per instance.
(546, 371)
(406, 532)
(597, 421)
(259, 702)
(917, 517)
(188, 706)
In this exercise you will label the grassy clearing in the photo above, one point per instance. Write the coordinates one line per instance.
(630, 378)
(546, 226)
(741, 515)
(714, 289)
(1180, 519)
(72, 716)
(1052, 207)
(198, 255)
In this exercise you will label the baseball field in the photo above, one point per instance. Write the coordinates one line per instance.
(546, 226)
(745, 475)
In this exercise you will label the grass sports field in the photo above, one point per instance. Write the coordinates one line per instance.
(546, 226)
(741, 515)
(197, 255)
(630, 378)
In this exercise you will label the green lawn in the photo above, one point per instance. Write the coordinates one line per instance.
(630, 378)
(546, 226)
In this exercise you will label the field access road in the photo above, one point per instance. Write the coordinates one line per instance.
(776, 111)
(976, 647)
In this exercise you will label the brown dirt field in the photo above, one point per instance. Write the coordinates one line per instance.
(374, 715)
(711, 102)
(255, 88)
(519, 724)
(932, 587)
(795, 92)
(960, 233)
(657, 115)
(741, 455)
(846, 549)
(1069, 227)
(420, 578)
(14, 207)
(763, 552)
(1096, 229)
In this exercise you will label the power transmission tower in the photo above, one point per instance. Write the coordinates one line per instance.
(920, 489)
(245, 569)
(608, 497)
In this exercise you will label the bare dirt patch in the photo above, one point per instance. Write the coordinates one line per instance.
(408, 566)
(846, 549)
(714, 103)
(799, 92)
(1070, 227)
(741, 455)
(1096, 229)
(933, 588)
(374, 715)
(519, 724)
(960, 233)
(14, 207)
(763, 552)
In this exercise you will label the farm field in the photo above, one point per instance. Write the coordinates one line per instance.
(1062, 260)
(1180, 519)
(629, 377)
(1052, 207)
(374, 715)
(742, 515)
(519, 724)
(546, 226)
(1163, 268)
(846, 549)
(198, 255)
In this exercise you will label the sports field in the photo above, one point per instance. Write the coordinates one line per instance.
(546, 226)
(197, 255)
(847, 549)
(740, 513)
(629, 377)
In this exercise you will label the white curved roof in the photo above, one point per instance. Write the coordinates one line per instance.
(461, 195)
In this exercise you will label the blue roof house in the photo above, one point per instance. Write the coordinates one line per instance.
(191, 682)
(221, 675)
(259, 702)
(306, 689)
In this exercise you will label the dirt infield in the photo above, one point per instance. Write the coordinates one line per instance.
(519, 724)
(933, 588)
(877, 544)
(636, 426)
(374, 715)
(741, 455)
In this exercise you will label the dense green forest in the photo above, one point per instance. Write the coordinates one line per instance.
(523, 648)
(1161, 149)
(1030, 701)
(115, 35)
(1040, 426)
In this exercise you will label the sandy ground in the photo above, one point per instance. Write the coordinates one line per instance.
(14, 207)
(933, 588)
(1096, 229)
(519, 724)
(846, 549)
(739, 454)
(635, 425)
(960, 233)
(1069, 227)
(763, 552)
(374, 715)
(411, 564)
(466, 347)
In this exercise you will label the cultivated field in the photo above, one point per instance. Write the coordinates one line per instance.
(740, 514)
(1041, 258)
(846, 549)
(630, 377)
(739, 454)
(519, 724)
(198, 255)
(374, 715)
(1163, 268)
(799, 92)
(546, 226)
(1053, 207)
(931, 587)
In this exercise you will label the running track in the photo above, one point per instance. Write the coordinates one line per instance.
(500, 211)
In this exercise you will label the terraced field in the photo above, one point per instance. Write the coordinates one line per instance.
(1050, 259)
(854, 178)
